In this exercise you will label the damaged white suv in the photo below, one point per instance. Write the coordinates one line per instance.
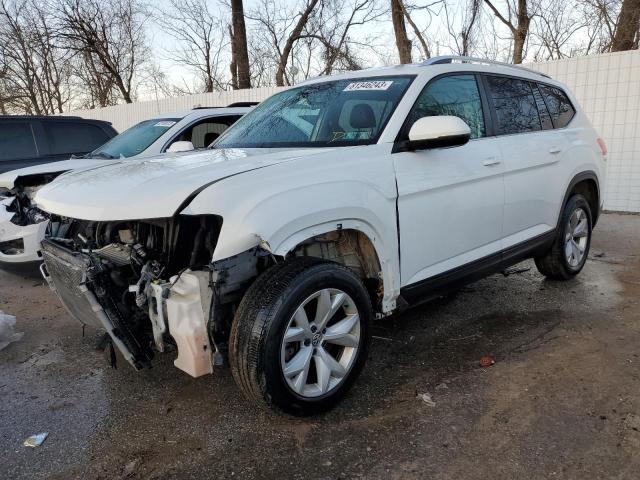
(335, 202)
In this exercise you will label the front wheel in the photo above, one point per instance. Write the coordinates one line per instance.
(570, 249)
(301, 336)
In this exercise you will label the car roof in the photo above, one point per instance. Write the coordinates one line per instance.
(52, 118)
(440, 65)
(201, 112)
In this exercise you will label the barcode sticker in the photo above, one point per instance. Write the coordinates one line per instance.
(165, 123)
(369, 85)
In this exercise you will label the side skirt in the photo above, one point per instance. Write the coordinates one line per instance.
(454, 279)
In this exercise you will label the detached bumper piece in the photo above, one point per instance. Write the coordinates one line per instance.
(85, 290)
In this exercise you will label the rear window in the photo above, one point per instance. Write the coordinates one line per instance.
(17, 141)
(515, 105)
(68, 138)
(558, 104)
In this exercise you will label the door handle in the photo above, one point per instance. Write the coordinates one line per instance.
(491, 161)
(555, 150)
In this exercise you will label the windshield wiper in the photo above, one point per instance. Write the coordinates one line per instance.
(102, 155)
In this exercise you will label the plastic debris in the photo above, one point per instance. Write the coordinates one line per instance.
(7, 332)
(487, 361)
(36, 440)
(426, 398)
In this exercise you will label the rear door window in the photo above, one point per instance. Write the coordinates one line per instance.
(514, 104)
(66, 138)
(17, 141)
(558, 104)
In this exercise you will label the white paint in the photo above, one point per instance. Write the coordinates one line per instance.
(455, 205)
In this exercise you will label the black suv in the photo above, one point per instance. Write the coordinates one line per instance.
(32, 140)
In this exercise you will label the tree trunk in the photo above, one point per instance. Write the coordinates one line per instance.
(293, 38)
(628, 26)
(239, 45)
(402, 41)
(521, 32)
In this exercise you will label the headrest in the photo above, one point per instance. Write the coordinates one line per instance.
(362, 116)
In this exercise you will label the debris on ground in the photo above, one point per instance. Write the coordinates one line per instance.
(7, 332)
(487, 361)
(426, 398)
(36, 440)
(515, 270)
(599, 254)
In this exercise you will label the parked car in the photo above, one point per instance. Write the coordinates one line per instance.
(335, 202)
(22, 227)
(33, 140)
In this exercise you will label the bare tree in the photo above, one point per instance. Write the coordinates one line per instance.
(461, 25)
(112, 33)
(35, 71)
(517, 19)
(240, 71)
(334, 23)
(555, 27)
(627, 31)
(284, 29)
(403, 43)
(200, 39)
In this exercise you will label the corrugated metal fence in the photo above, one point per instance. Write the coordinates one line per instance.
(607, 86)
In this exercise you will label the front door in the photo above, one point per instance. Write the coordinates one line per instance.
(450, 200)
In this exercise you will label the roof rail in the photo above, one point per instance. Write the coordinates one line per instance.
(453, 58)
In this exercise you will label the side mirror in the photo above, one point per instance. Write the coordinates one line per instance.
(180, 147)
(437, 132)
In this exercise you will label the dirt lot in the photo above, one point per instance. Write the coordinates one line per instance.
(561, 401)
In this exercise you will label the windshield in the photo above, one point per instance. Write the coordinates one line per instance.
(135, 140)
(338, 113)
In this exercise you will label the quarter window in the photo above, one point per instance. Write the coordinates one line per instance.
(558, 104)
(455, 95)
(515, 105)
(66, 138)
(17, 141)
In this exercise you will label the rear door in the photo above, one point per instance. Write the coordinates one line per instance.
(531, 150)
(450, 200)
(18, 147)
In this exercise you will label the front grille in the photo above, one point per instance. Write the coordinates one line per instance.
(68, 270)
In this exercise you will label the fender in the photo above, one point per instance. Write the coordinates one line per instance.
(585, 175)
(281, 206)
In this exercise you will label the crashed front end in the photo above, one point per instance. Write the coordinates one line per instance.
(150, 284)
(22, 226)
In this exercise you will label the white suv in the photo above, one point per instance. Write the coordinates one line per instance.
(341, 200)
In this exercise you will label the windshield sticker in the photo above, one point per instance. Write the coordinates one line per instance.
(370, 85)
(165, 124)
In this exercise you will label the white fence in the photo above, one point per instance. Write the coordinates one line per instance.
(124, 116)
(607, 87)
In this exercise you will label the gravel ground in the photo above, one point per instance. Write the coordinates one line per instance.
(562, 400)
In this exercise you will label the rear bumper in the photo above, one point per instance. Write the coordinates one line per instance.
(19, 244)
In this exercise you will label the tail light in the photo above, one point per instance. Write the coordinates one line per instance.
(603, 147)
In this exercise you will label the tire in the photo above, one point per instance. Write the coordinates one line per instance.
(264, 364)
(568, 254)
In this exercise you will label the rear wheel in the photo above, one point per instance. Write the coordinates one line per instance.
(301, 336)
(570, 249)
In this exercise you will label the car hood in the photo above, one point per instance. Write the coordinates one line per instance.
(8, 179)
(153, 187)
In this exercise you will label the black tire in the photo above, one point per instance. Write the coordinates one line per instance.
(554, 263)
(260, 323)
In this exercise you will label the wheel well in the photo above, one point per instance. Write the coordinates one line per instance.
(588, 188)
(354, 250)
